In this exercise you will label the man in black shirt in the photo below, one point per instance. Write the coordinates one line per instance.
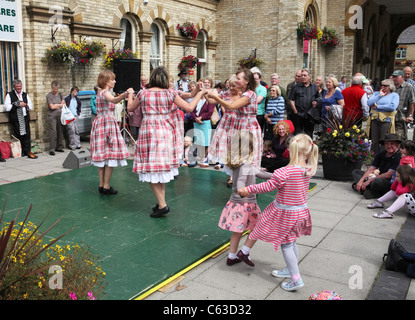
(386, 161)
(304, 96)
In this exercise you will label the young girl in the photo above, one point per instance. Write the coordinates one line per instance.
(401, 189)
(189, 153)
(241, 214)
(408, 152)
(108, 149)
(287, 217)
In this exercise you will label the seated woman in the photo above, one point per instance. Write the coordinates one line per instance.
(282, 133)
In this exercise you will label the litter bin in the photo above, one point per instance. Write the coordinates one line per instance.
(84, 120)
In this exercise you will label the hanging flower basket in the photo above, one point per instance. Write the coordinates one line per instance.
(249, 62)
(307, 31)
(75, 53)
(188, 62)
(329, 38)
(188, 30)
(117, 54)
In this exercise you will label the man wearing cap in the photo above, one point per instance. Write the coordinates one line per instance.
(355, 100)
(406, 104)
(386, 162)
(182, 83)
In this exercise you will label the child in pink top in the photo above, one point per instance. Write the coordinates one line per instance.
(408, 152)
(288, 216)
(402, 186)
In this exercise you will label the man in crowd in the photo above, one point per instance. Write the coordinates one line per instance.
(18, 104)
(355, 101)
(386, 161)
(183, 82)
(406, 104)
(304, 96)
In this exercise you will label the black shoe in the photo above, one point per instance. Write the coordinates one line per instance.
(160, 212)
(59, 150)
(101, 189)
(2, 160)
(109, 191)
(52, 153)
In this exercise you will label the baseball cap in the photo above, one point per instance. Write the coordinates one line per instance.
(397, 73)
(364, 80)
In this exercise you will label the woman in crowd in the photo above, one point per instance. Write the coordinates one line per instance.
(280, 141)
(383, 105)
(155, 155)
(331, 96)
(274, 111)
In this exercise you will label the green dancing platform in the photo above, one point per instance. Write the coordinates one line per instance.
(137, 252)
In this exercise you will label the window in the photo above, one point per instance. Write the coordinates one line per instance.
(155, 46)
(8, 67)
(126, 38)
(201, 54)
(400, 53)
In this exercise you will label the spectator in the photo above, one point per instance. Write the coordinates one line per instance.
(275, 111)
(320, 84)
(303, 97)
(331, 96)
(143, 82)
(355, 101)
(18, 104)
(342, 83)
(406, 104)
(297, 79)
(93, 104)
(261, 94)
(55, 103)
(386, 161)
(383, 104)
(75, 106)
(183, 82)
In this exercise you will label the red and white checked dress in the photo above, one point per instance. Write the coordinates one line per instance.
(179, 128)
(107, 143)
(287, 217)
(245, 119)
(156, 146)
(218, 148)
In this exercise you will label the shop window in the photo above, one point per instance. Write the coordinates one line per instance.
(400, 53)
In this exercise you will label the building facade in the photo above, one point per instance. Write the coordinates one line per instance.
(229, 30)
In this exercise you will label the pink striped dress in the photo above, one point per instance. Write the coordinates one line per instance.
(107, 143)
(287, 217)
(156, 146)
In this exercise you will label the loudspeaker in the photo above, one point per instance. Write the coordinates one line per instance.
(127, 74)
(77, 159)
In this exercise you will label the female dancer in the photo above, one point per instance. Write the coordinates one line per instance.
(156, 158)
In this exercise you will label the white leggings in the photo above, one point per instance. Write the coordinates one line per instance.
(290, 254)
(391, 195)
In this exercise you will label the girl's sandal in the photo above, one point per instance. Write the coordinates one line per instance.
(383, 215)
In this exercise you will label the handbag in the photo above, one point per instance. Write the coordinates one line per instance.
(314, 114)
(337, 111)
(66, 116)
(16, 148)
(214, 119)
(5, 149)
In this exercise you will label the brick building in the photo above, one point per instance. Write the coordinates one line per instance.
(230, 30)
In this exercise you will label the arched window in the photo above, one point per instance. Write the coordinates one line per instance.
(127, 40)
(155, 46)
(201, 54)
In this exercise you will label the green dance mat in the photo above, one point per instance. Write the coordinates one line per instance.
(137, 252)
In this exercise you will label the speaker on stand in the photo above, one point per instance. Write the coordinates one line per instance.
(127, 75)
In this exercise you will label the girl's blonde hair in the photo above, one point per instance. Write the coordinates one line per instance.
(188, 139)
(241, 149)
(302, 147)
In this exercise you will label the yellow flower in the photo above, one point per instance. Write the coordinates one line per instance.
(357, 130)
(347, 134)
(334, 134)
(40, 284)
(340, 127)
(354, 127)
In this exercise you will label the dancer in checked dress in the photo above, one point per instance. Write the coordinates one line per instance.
(156, 158)
(245, 108)
(108, 149)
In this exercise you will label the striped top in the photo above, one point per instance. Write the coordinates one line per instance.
(291, 183)
(276, 106)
